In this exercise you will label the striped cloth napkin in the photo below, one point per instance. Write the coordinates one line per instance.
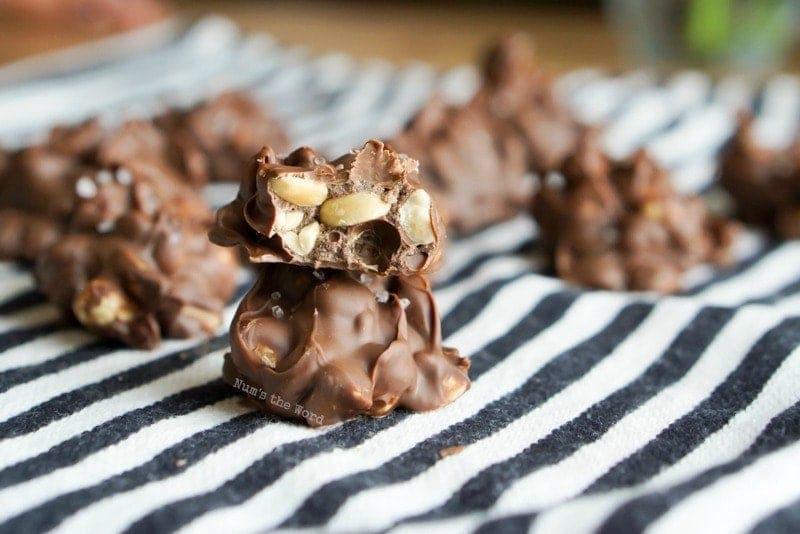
(589, 411)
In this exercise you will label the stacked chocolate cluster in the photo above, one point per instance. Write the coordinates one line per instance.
(513, 148)
(341, 321)
(115, 225)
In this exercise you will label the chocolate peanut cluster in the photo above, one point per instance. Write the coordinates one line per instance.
(764, 183)
(339, 322)
(623, 226)
(478, 159)
(365, 211)
(114, 223)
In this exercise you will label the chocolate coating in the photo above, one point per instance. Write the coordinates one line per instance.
(473, 163)
(517, 90)
(140, 283)
(623, 226)
(45, 192)
(364, 211)
(764, 183)
(225, 132)
(325, 347)
(477, 158)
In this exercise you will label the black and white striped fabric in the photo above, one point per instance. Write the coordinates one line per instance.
(589, 411)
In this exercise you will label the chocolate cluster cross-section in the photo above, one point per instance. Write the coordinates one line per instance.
(364, 211)
(340, 322)
(623, 226)
(328, 345)
(764, 182)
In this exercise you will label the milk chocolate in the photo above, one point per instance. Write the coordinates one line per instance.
(328, 345)
(477, 158)
(364, 211)
(473, 164)
(140, 282)
(764, 183)
(227, 131)
(623, 226)
(518, 90)
(45, 193)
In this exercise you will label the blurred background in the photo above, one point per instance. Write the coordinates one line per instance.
(757, 36)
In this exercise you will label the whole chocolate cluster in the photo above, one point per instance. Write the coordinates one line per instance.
(615, 225)
(622, 225)
(114, 223)
(478, 159)
(764, 183)
(340, 322)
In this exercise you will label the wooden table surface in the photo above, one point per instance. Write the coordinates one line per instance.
(442, 33)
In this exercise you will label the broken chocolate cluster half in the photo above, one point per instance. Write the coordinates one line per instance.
(365, 211)
(340, 322)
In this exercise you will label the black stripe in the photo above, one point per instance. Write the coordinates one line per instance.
(557, 374)
(511, 524)
(26, 299)
(473, 304)
(726, 274)
(18, 336)
(200, 449)
(733, 395)
(784, 521)
(479, 260)
(84, 353)
(78, 447)
(350, 434)
(166, 464)
(637, 513)
(73, 401)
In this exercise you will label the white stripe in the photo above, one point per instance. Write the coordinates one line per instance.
(779, 393)
(776, 125)
(652, 110)
(204, 476)
(28, 318)
(11, 285)
(433, 487)
(459, 84)
(597, 100)
(503, 266)
(737, 502)
(127, 454)
(735, 92)
(772, 272)
(500, 238)
(40, 350)
(698, 134)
